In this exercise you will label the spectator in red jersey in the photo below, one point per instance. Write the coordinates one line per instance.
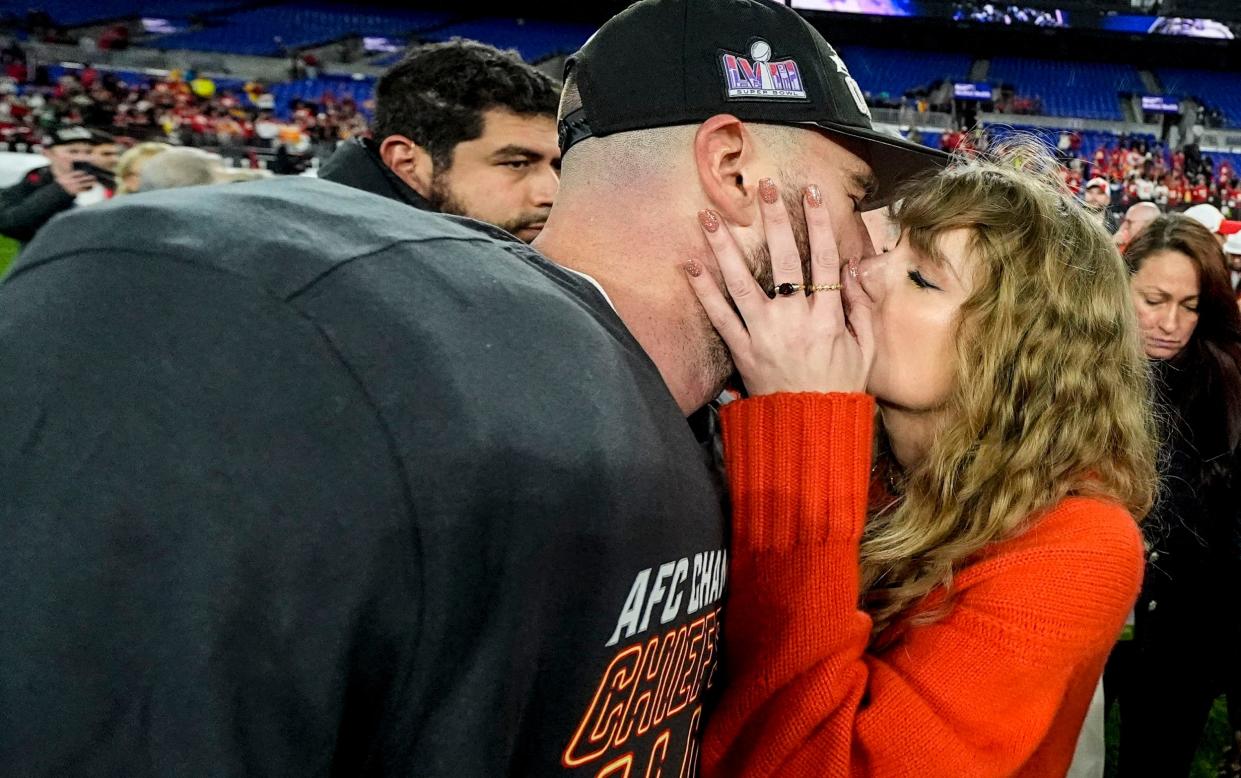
(1201, 191)
(1230, 195)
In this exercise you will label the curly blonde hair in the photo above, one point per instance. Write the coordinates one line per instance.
(1051, 395)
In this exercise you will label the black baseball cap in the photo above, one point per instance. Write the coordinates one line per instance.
(661, 63)
(69, 134)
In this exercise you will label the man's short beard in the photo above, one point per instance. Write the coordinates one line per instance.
(443, 200)
(716, 357)
(759, 257)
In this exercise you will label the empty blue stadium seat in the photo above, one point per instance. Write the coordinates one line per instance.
(72, 13)
(896, 71)
(1216, 89)
(313, 90)
(535, 40)
(269, 31)
(1085, 90)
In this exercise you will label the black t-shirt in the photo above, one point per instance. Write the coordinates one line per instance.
(298, 480)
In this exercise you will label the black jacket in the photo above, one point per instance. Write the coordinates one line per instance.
(300, 481)
(1193, 574)
(357, 163)
(28, 205)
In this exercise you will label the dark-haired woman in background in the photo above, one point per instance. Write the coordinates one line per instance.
(1187, 635)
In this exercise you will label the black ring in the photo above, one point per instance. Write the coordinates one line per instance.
(787, 290)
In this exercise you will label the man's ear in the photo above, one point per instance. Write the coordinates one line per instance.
(411, 162)
(726, 155)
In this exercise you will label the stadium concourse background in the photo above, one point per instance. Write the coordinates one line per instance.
(1142, 93)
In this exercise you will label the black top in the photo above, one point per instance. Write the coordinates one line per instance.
(1193, 573)
(299, 481)
(31, 203)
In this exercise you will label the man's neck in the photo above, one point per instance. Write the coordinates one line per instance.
(641, 274)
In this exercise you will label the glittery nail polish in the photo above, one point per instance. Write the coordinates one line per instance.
(853, 267)
(814, 197)
(693, 268)
(709, 220)
(767, 191)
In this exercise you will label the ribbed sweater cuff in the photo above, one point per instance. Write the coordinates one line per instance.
(798, 467)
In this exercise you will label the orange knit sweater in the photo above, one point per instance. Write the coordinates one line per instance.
(998, 687)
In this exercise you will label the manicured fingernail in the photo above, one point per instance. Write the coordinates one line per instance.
(709, 221)
(693, 268)
(767, 191)
(853, 267)
(814, 198)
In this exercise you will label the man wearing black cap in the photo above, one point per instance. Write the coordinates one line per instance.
(42, 193)
(300, 481)
(730, 94)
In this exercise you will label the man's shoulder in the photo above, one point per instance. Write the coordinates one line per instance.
(32, 180)
(284, 234)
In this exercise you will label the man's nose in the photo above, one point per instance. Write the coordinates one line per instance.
(873, 272)
(852, 239)
(544, 187)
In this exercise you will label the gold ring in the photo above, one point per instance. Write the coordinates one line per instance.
(825, 287)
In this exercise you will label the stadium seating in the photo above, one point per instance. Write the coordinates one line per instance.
(388, 59)
(71, 13)
(1211, 87)
(895, 71)
(270, 31)
(1091, 139)
(1086, 90)
(534, 40)
(314, 89)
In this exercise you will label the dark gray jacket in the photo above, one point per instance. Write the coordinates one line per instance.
(298, 481)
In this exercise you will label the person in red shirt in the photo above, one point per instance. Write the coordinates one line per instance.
(946, 608)
(1201, 192)
(1176, 191)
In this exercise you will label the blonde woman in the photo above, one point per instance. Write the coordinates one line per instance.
(946, 607)
(129, 166)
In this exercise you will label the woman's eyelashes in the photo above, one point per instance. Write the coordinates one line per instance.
(920, 280)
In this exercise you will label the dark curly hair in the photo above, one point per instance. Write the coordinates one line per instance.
(437, 94)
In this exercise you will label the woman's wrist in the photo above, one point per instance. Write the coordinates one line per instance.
(798, 466)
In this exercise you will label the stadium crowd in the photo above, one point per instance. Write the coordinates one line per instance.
(996, 405)
(180, 108)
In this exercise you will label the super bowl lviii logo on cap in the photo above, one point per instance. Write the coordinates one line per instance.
(759, 78)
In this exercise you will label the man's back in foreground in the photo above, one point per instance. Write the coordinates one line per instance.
(298, 481)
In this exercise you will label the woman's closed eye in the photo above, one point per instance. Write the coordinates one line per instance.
(920, 280)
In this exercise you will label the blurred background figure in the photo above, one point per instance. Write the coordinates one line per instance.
(1137, 219)
(129, 166)
(1232, 251)
(1213, 219)
(48, 191)
(106, 153)
(1187, 628)
(1098, 197)
(189, 167)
